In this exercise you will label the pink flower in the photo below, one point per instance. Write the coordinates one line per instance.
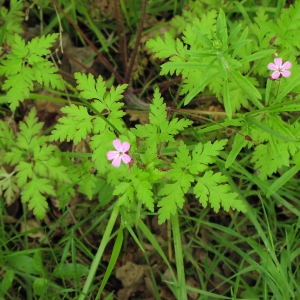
(119, 154)
(279, 68)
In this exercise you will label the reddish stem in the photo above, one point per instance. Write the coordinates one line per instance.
(100, 57)
(133, 55)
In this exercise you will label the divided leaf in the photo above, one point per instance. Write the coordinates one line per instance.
(163, 47)
(35, 192)
(190, 173)
(160, 129)
(89, 87)
(11, 20)
(208, 55)
(205, 154)
(75, 126)
(169, 204)
(213, 188)
(27, 64)
(37, 167)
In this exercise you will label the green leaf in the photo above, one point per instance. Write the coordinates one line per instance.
(100, 144)
(8, 186)
(168, 205)
(89, 87)
(180, 182)
(227, 100)
(31, 124)
(75, 126)
(269, 158)
(160, 129)
(125, 191)
(239, 143)
(6, 282)
(282, 180)
(144, 193)
(221, 29)
(70, 271)
(165, 47)
(25, 172)
(278, 143)
(18, 88)
(105, 102)
(247, 87)
(7, 138)
(11, 21)
(258, 55)
(35, 192)
(40, 286)
(21, 262)
(287, 87)
(212, 188)
(28, 64)
(205, 154)
(40, 46)
(87, 185)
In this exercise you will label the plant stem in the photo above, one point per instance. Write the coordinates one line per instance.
(132, 58)
(122, 34)
(181, 285)
(101, 248)
(100, 57)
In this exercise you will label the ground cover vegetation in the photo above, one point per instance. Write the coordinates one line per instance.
(149, 149)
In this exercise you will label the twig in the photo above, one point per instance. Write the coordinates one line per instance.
(133, 55)
(122, 34)
(100, 57)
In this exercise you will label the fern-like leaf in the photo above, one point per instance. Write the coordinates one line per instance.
(11, 21)
(26, 65)
(169, 204)
(35, 192)
(205, 154)
(213, 188)
(75, 126)
(89, 87)
(180, 181)
(8, 186)
(160, 129)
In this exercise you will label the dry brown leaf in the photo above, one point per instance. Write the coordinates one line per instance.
(142, 117)
(30, 225)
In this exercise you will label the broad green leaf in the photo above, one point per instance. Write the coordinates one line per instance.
(239, 143)
(70, 271)
(247, 87)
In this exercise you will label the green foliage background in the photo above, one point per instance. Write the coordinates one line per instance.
(212, 50)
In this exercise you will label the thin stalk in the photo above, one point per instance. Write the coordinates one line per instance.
(35, 96)
(122, 34)
(132, 58)
(100, 251)
(101, 58)
(181, 285)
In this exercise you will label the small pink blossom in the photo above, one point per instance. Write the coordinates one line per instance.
(279, 68)
(120, 153)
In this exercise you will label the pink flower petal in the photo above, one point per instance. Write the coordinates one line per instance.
(272, 67)
(275, 75)
(119, 155)
(116, 162)
(112, 155)
(126, 159)
(278, 62)
(118, 145)
(287, 65)
(125, 147)
(286, 73)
